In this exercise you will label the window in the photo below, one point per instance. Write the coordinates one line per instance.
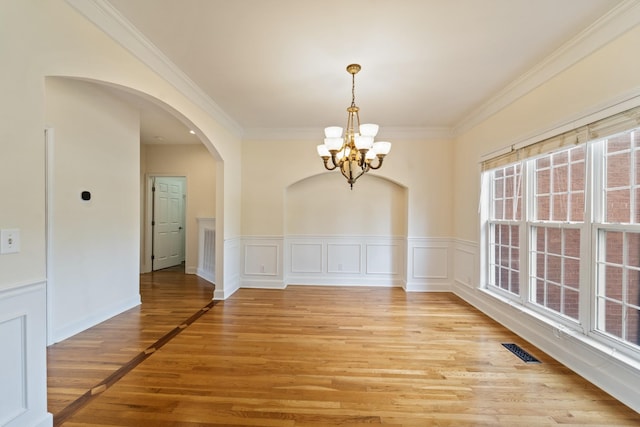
(618, 257)
(563, 229)
(504, 227)
(555, 230)
(618, 294)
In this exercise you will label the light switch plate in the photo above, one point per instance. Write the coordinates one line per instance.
(9, 241)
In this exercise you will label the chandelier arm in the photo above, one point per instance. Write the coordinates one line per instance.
(379, 165)
(336, 162)
(326, 163)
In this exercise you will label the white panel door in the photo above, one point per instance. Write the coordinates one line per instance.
(168, 228)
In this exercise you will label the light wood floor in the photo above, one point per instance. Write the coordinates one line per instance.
(311, 356)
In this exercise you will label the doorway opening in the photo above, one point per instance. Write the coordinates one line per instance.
(167, 221)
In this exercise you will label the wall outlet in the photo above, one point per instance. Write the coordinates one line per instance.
(10, 241)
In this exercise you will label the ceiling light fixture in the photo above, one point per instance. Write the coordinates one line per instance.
(354, 153)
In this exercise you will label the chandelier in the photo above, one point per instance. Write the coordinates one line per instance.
(355, 152)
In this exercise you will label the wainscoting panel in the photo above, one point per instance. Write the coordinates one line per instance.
(231, 273)
(207, 249)
(417, 264)
(13, 360)
(262, 262)
(430, 264)
(465, 262)
(383, 259)
(344, 260)
(23, 373)
(306, 258)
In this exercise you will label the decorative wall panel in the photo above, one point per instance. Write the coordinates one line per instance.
(261, 259)
(344, 258)
(465, 263)
(383, 259)
(430, 264)
(207, 249)
(306, 258)
(23, 357)
(13, 401)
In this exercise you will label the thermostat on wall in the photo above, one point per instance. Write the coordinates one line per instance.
(85, 195)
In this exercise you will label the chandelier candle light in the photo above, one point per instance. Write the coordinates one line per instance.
(354, 152)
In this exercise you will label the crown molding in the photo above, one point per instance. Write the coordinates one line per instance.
(617, 21)
(111, 22)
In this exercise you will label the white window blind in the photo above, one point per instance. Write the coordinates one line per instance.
(612, 125)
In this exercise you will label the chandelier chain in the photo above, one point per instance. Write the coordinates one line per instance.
(353, 90)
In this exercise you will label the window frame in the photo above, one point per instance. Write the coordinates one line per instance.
(587, 322)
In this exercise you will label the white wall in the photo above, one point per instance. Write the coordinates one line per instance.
(194, 162)
(93, 268)
(607, 79)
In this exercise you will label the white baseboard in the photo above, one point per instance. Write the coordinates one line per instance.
(206, 275)
(106, 313)
(427, 287)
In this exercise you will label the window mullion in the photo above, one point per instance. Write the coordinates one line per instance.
(625, 273)
(526, 188)
(591, 244)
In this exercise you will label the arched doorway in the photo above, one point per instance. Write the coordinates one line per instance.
(95, 244)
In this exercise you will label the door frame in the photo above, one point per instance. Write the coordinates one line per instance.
(147, 245)
(49, 141)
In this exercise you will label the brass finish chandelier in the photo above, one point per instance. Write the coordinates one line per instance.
(354, 152)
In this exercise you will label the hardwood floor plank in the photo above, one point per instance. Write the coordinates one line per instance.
(325, 356)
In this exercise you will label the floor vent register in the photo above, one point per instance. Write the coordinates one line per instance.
(522, 354)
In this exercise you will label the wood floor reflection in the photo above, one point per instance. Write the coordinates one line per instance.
(316, 356)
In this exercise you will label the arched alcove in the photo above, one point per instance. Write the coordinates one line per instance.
(324, 204)
(335, 235)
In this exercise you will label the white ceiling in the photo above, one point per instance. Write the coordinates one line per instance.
(426, 64)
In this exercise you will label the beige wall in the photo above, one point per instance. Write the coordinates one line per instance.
(607, 76)
(199, 167)
(421, 169)
(375, 207)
